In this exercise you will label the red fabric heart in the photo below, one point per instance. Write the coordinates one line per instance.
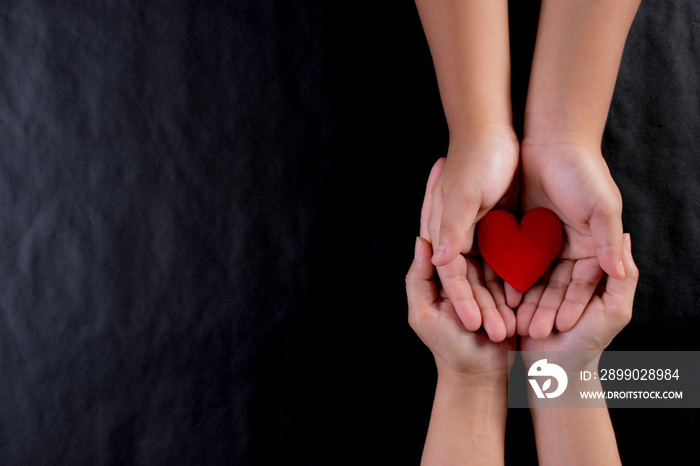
(519, 253)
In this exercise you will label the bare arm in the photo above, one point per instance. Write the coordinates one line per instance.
(469, 43)
(468, 420)
(467, 424)
(577, 56)
(575, 435)
(565, 433)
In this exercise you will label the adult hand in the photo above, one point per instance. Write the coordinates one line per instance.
(471, 395)
(564, 435)
(458, 352)
(573, 181)
(608, 312)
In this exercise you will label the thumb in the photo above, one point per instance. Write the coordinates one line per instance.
(427, 210)
(456, 227)
(606, 229)
(619, 293)
(421, 289)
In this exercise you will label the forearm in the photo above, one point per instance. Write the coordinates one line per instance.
(575, 435)
(469, 44)
(467, 424)
(577, 56)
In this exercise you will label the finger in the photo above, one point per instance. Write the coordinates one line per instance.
(606, 229)
(528, 306)
(619, 293)
(584, 280)
(543, 320)
(456, 233)
(491, 318)
(453, 278)
(436, 207)
(513, 296)
(426, 210)
(495, 286)
(421, 289)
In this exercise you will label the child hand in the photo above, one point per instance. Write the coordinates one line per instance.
(457, 351)
(574, 182)
(474, 178)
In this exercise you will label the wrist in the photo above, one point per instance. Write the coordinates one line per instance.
(539, 149)
(557, 128)
(487, 135)
(473, 393)
(578, 368)
(467, 422)
(572, 362)
(487, 380)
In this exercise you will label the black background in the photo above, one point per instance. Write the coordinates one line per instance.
(207, 210)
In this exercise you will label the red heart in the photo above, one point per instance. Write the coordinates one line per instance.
(519, 254)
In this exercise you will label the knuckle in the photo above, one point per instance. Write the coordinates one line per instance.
(634, 278)
(492, 282)
(433, 230)
(475, 281)
(634, 273)
(489, 310)
(448, 228)
(455, 187)
(411, 283)
(558, 284)
(412, 319)
(416, 318)
(586, 283)
(624, 315)
(409, 280)
(611, 206)
(576, 303)
(546, 308)
(452, 276)
(467, 301)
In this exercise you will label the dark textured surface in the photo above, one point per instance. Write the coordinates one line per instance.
(207, 212)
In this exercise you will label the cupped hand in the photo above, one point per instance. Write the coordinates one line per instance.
(573, 181)
(432, 315)
(605, 315)
(477, 175)
(473, 309)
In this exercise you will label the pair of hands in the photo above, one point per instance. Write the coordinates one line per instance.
(490, 171)
(473, 357)
(469, 413)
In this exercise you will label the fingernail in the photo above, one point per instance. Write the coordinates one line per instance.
(627, 245)
(416, 253)
(441, 251)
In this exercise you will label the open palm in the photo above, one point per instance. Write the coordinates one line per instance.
(434, 319)
(608, 311)
(574, 182)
